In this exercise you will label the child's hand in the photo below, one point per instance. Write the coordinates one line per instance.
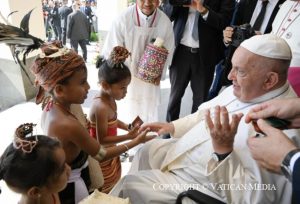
(141, 137)
(133, 133)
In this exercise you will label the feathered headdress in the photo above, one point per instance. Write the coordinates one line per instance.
(19, 40)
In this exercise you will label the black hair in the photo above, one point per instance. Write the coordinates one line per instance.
(110, 72)
(23, 170)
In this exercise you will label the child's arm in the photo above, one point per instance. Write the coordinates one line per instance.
(122, 125)
(101, 117)
(78, 135)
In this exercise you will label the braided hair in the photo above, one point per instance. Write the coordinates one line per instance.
(29, 160)
(113, 70)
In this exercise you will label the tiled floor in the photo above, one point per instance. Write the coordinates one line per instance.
(30, 112)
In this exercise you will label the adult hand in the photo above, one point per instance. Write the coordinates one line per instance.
(227, 35)
(221, 130)
(159, 128)
(288, 109)
(269, 151)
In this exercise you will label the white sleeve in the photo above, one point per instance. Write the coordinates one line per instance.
(114, 37)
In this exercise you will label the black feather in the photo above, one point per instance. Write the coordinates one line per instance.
(11, 14)
(19, 40)
(24, 25)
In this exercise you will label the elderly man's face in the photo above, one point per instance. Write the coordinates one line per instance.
(147, 6)
(247, 75)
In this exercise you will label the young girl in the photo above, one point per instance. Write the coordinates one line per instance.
(62, 73)
(114, 77)
(34, 166)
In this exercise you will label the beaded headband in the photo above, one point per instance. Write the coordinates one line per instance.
(20, 141)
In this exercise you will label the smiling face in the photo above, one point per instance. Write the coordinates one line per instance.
(147, 6)
(248, 74)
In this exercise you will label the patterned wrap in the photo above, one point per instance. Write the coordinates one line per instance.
(54, 64)
(151, 64)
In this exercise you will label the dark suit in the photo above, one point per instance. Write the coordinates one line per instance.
(246, 9)
(64, 11)
(77, 31)
(55, 19)
(197, 67)
(296, 182)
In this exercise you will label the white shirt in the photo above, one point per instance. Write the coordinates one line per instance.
(270, 7)
(145, 21)
(187, 38)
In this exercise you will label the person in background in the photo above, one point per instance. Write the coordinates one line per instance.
(134, 29)
(34, 166)
(78, 30)
(198, 39)
(259, 14)
(64, 11)
(55, 20)
(285, 25)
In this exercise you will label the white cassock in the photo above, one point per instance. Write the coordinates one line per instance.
(286, 25)
(142, 98)
(186, 160)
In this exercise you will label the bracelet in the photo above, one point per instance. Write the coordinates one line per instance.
(127, 148)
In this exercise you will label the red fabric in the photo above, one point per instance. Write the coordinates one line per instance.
(294, 79)
(112, 129)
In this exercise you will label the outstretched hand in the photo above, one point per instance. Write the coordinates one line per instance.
(221, 130)
(159, 128)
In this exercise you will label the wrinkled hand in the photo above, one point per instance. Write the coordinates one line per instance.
(269, 151)
(159, 128)
(288, 109)
(227, 35)
(221, 131)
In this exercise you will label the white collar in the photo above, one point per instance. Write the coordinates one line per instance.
(143, 17)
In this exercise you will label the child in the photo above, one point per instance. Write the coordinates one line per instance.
(34, 166)
(114, 77)
(62, 73)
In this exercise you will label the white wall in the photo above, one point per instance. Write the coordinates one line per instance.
(36, 23)
(107, 11)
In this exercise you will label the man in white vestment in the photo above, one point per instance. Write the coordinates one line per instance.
(195, 156)
(135, 29)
